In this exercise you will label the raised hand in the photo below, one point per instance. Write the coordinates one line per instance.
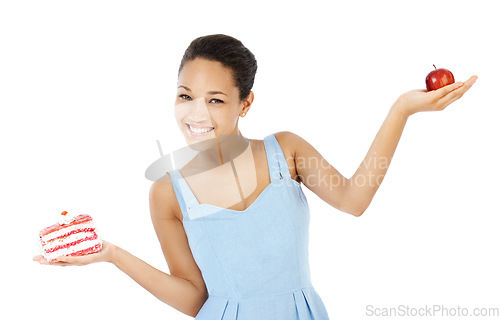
(422, 100)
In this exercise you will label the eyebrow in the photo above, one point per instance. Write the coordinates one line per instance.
(209, 92)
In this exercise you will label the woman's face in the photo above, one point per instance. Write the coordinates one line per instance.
(207, 104)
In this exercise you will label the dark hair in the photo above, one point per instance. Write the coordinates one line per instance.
(228, 51)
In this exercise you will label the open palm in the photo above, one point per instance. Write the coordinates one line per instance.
(422, 100)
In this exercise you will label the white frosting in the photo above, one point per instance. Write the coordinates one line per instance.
(68, 218)
(81, 246)
(55, 234)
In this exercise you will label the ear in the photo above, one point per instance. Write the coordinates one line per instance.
(249, 99)
(247, 102)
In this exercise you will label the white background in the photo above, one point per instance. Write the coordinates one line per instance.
(86, 89)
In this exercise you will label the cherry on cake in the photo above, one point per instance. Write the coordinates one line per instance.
(72, 235)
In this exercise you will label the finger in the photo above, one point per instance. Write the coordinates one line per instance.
(457, 94)
(40, 259)
(44, 261)
(471, 80)
(59, 263)
(441, 92)
(65, 259)
(73, 260)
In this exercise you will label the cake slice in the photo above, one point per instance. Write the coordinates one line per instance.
(71, 236)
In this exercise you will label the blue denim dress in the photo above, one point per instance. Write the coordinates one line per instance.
(255, 262)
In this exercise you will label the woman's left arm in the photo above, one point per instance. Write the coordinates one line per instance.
(363, 185)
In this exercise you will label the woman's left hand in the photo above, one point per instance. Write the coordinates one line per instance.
(422, 100)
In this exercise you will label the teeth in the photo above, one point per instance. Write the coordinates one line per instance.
(196, 130)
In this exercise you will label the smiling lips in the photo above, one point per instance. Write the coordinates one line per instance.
(198, 130)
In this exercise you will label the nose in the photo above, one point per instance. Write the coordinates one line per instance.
(198, 112)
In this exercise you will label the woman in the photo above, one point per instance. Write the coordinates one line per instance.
(233, 221)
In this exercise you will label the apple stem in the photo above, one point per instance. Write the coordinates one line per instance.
(434, 66)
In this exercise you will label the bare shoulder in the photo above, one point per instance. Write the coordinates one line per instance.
(162, 197)
(292, 143)
(287, 140)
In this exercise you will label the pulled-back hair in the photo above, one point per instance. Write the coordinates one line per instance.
(231, 53)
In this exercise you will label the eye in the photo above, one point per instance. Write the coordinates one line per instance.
(182, 96)
(218, 101)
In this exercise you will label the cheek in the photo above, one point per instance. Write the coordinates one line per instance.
(179, 111)
(222, 117)
(185, 108)
(179, 115)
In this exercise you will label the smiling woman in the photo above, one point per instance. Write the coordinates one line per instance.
(199, 106)
(244, 217)
(215, 79)
(233, 222)
(231, 53)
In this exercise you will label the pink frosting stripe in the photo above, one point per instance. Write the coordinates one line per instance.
(68, 234)
(63, 246)
(95, 248)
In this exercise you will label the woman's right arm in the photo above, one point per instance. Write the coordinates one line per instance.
(177, 292)
(184, 289)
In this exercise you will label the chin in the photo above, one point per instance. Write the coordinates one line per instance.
(201, 143)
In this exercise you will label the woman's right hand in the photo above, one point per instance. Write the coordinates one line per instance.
(106, 254)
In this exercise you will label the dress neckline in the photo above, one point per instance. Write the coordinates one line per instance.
(259, 197)
(275, 161)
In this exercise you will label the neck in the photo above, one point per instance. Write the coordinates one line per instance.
(226, 149)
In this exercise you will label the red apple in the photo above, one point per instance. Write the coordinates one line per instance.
(438, 78)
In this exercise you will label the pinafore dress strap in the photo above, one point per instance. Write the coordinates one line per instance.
(188, 196)
(278, 168)
(178, 193)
